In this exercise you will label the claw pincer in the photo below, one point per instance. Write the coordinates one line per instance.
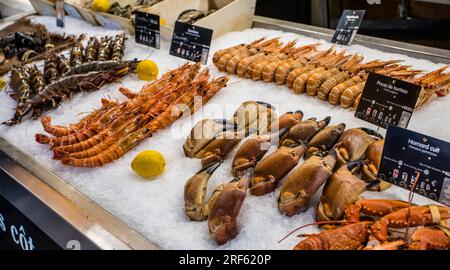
(304, 182)
(270, 170)
(224, 211)
(195, 193)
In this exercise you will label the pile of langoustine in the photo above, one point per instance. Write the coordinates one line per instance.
(334, 76)
(112, 130)
(345, 161)
(87, 69)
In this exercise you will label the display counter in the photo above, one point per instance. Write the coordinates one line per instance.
(73, 208)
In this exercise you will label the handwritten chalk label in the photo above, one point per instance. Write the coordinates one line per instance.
(387, 101)
(147, 29)
(191, 42)
(407, 152)
(348, 26)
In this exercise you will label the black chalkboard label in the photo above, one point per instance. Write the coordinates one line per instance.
(387, 101)
(147, 29)
(18, 233)
(347, 26)
(407, 153)
(27, 223)
(191, 42)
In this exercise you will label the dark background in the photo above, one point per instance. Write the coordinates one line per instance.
(411, 21)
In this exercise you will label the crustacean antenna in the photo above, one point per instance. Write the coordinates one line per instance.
(410, 199)
(316, 223)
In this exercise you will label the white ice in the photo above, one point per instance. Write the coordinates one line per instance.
(155, 208)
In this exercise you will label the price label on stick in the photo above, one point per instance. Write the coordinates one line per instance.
(191, 42)
(407, 154)
(347, 26)
(147, 29)
(387, 101)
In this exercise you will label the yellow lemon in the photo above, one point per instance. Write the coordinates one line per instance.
(148, 164)
(101, 5)
(147, 70)
(2, 84)
(162, 21)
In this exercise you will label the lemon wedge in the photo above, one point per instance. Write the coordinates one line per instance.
(147, 70)
(148, 164)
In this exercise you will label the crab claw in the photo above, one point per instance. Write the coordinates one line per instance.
(195, 192)
(223, 214)
(270, 170)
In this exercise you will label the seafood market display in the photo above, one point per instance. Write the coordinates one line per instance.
(253, 164)
(25, 42)
(111, 131)
(336, 77)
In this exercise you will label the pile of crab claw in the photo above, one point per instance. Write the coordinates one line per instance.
(344, 160)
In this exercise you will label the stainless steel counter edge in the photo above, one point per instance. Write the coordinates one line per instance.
(418, 51)
(98, 225)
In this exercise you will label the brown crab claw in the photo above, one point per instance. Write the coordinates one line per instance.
(223, 214)
(286, 120)
(254, 114)
(297, 190)
(372, 132)
(252, 150)
(303, 131)
(353, 144)
(270, 170)
(203, 133)
(195, 192)
(342, 189)
(327, 120)
(324, 140)
(219, 148)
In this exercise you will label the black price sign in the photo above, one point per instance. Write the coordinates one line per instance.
(348, 26)
(191, 42)
(147, 29)
(407, 153)
(27, 223)
(387, 101)
(19, 233)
